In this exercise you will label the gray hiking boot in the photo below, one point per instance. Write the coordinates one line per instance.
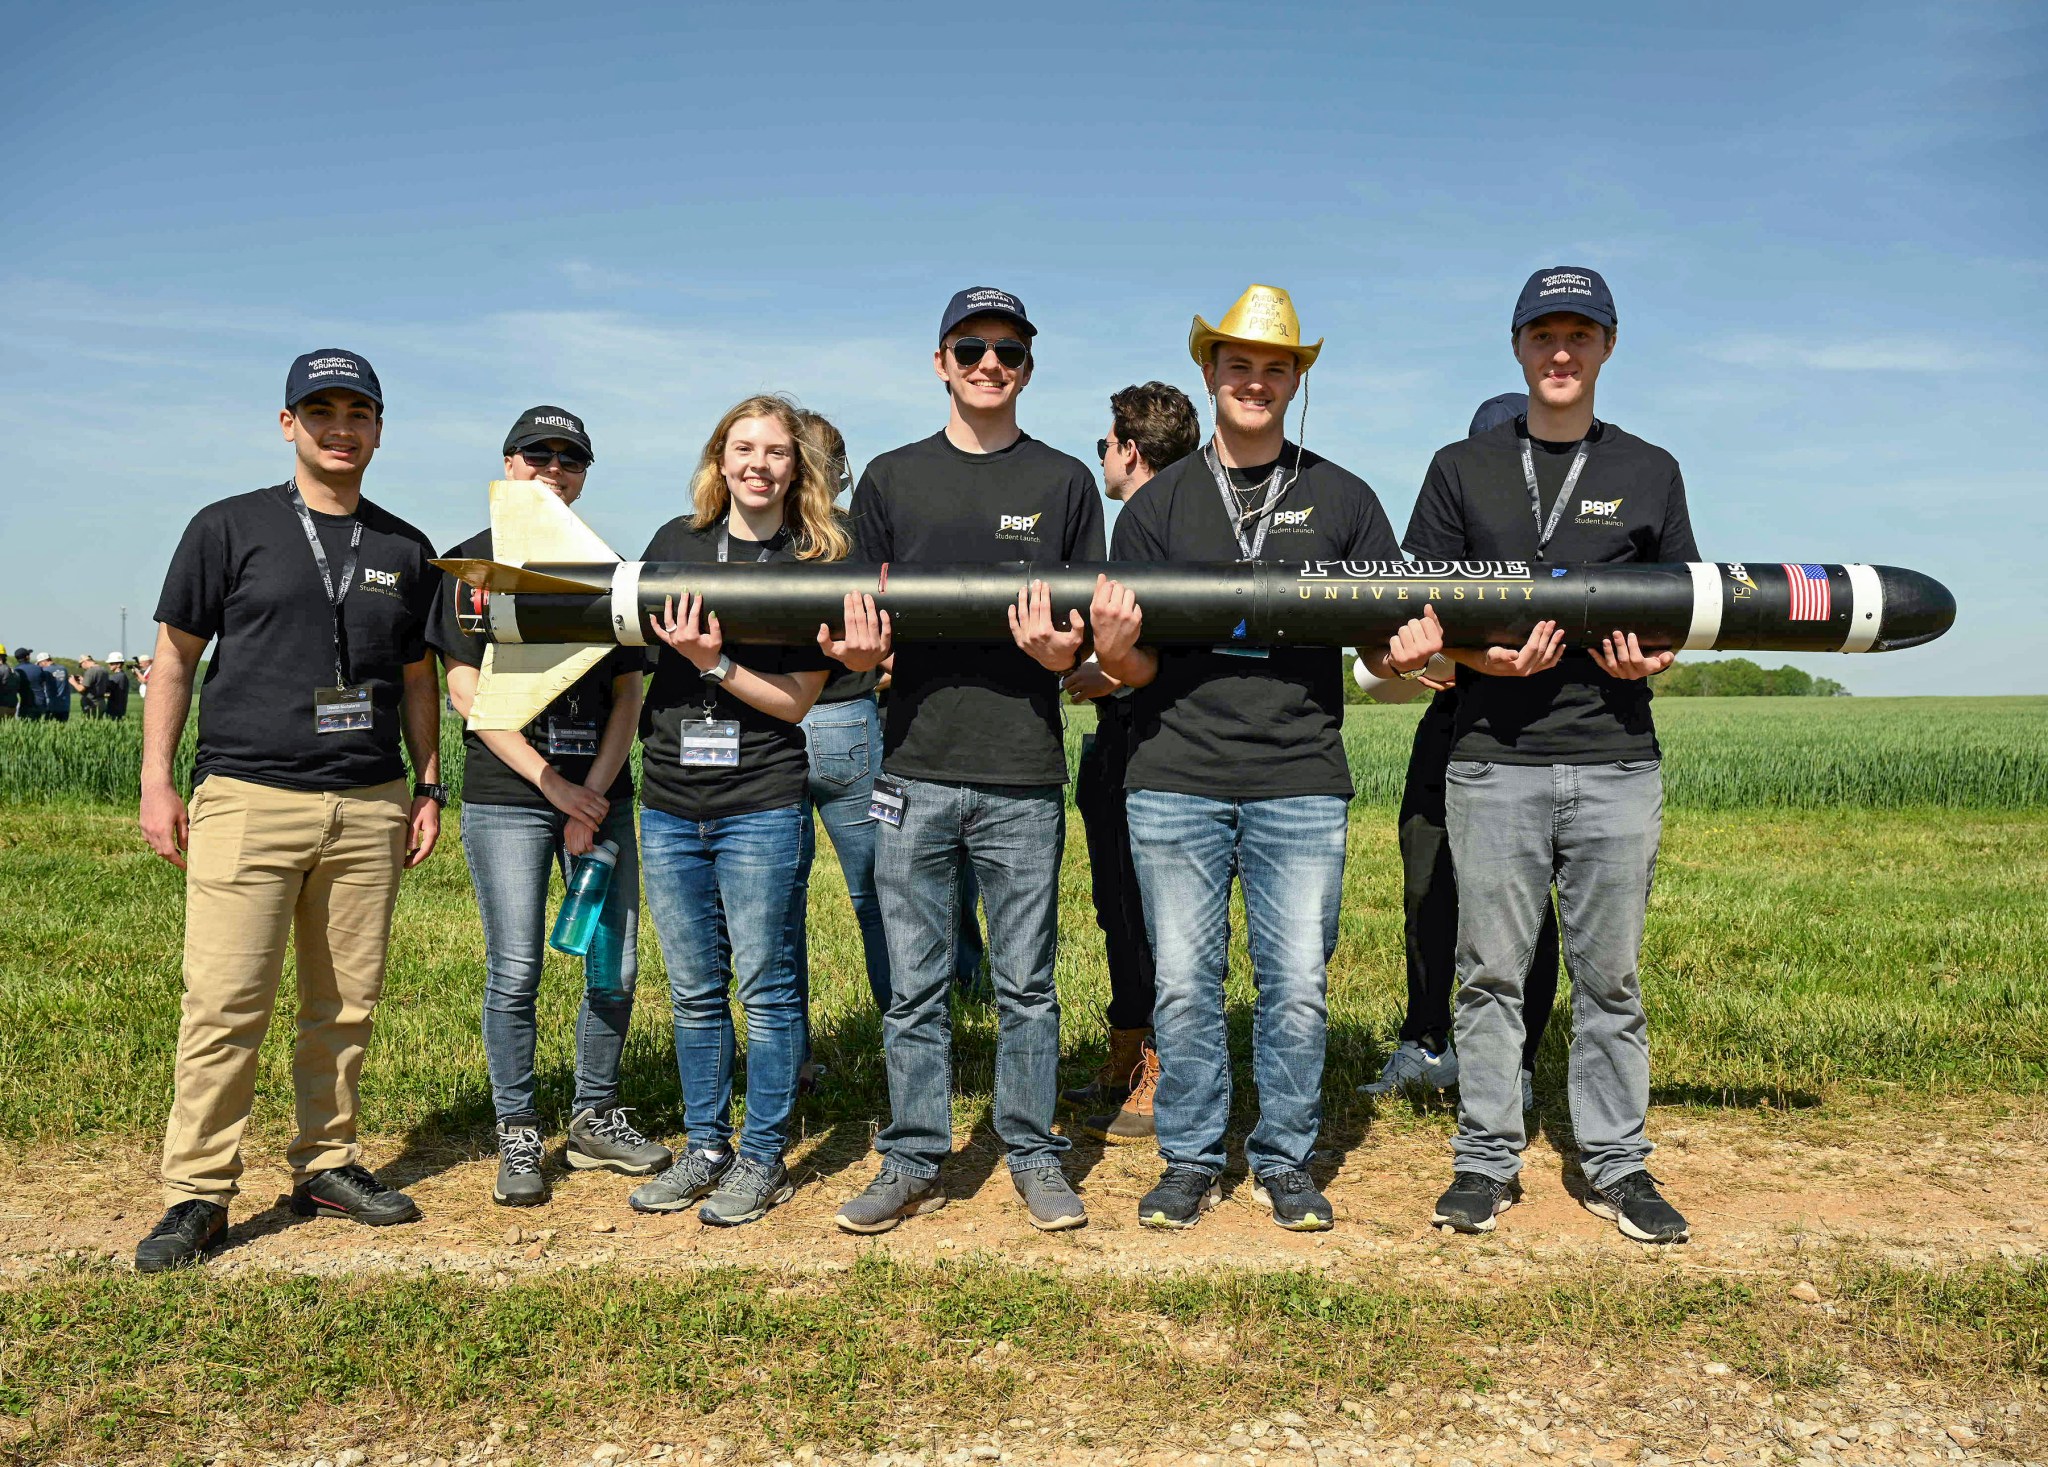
(689, 1179)
(520, 1180)
(1050, 1197)
(890, 1198)
(749, 1189)
(607, 1138)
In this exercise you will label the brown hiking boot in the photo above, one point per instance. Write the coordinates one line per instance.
(1112, 1083)
(1133, 1122)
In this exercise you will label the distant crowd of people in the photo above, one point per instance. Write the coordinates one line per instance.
(37, 686)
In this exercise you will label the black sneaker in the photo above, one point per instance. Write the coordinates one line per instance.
(1634, 1205)
(1473, 1202)
(187, 1233)
(1184, 1193)
(520, 1180)
(1297, 1205)
(351, 1192)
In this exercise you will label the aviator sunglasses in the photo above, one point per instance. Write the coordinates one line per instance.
(969, 350)
(575, 460)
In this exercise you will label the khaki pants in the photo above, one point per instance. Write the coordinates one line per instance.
(263, 862)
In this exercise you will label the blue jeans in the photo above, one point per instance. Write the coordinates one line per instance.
(721, 891)
(511, 850)
(1014, 839)
(1289, 856)
(845, 742)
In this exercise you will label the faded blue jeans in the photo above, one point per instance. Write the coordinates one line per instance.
(511, 851)
(1014, 837)
(1591, 830)
(1288, 854)
(720, 893)
(845, 741)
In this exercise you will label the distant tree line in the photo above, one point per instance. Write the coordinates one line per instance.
(1734, 677)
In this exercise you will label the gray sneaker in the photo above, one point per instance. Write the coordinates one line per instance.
(607, 1138)
(689, 1179)
(1413, 1068)
(520, 1180)
(750, 1188)
(890, 1198)
(1050, 1197)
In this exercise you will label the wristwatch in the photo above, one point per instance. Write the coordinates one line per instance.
(719, 671)
(438, 793)
(1409, 677)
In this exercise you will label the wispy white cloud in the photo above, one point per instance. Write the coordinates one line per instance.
(1859, 354)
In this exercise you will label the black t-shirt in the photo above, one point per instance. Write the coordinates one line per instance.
(1629, 505)
(459, 631)
(1230, 726)
(975, 713)
(116, 694)
(774, 769)
(244, 574)
(846, 685)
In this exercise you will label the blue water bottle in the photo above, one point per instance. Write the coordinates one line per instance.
(589, 883)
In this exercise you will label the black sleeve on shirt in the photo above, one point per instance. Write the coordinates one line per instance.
(1436, 527)
(1372, 537)
(1137, 534)
(873, 540)
(1675, 541)
(1084, 540)
(196, 584)
(423, 600)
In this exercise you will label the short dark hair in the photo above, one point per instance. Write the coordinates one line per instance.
(1158, 418)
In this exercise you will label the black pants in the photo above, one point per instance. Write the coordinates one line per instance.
(1429, 900)
(1099, 795)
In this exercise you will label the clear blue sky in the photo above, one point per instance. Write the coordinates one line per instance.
(1824, 226)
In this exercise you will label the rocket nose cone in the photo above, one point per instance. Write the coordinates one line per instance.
(1917, 609)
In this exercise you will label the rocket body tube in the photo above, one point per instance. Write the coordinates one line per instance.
(1751, 606)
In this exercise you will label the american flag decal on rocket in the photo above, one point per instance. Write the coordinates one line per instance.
(1809, 585)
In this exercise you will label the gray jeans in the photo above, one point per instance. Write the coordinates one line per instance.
(1592, 829)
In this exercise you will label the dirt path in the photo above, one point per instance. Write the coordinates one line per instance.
(1926, 1186)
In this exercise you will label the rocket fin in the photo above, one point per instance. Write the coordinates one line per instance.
(530, 526)
(517, 580)
(519, 680)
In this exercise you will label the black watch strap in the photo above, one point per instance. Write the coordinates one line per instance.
(438, 793)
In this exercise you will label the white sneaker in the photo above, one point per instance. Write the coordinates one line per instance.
(1528, 1092)
(1411, 1067)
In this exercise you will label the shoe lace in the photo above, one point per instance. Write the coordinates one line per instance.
(883, 1182)
(521, 1150)
(616, 1125)
(1190, 1179)
(1144, 1076)
(175, 1219)
(1288, 1183)
(748, 1175)
(361, 1178)
(1636, 1186)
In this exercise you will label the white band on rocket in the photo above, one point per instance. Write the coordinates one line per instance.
(626, 626)
(1706, 606)
(1866, 607)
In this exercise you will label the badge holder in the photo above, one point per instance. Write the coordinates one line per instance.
(887, 802)
(711, 743)
(566, 738)
(341, 710)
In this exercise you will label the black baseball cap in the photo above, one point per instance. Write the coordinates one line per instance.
(1565, 288)
(317, 371)
(538, 424)
(985, 300)
(1497, 410)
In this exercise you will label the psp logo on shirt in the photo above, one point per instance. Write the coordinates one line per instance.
(1599, 512)
(383, 582)
(1293, 519)
(1019, 526)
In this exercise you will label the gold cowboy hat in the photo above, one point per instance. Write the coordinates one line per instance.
(1263, 316)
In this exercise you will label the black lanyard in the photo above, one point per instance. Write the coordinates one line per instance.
(335, 595)
(1544, 530)
(1275, 487)
(725, 543)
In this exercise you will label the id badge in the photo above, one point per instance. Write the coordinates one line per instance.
(711, 743)
(1241, 651)
(341, 710)
(566, 737)
(886, 803)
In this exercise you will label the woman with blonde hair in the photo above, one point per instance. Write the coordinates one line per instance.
(724, 773)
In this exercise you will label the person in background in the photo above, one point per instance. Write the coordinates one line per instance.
(116, 705)
(1151, 427)
(531, 801)
(299, 824)
(28, 684)
(10, 688)
(975, 767)
(1237, 771)
(1555, 781)
(1424, 1058)
(724, 776)
(56, 688)
(143, 662)
(90, 683)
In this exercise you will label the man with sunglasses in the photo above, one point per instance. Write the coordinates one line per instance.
(300, 823)
(1237, 768)
(974, 767)
(532, 800)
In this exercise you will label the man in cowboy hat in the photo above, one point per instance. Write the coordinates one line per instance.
(1236, 765)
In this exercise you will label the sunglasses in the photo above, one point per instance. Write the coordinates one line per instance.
(575, 460)
(1102, 449)
(969, 350)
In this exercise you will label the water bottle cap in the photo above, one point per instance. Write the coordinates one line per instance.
(605, 851)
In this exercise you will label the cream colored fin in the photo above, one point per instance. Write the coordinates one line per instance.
(518, 681)
(495, 575)
(529, 526)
